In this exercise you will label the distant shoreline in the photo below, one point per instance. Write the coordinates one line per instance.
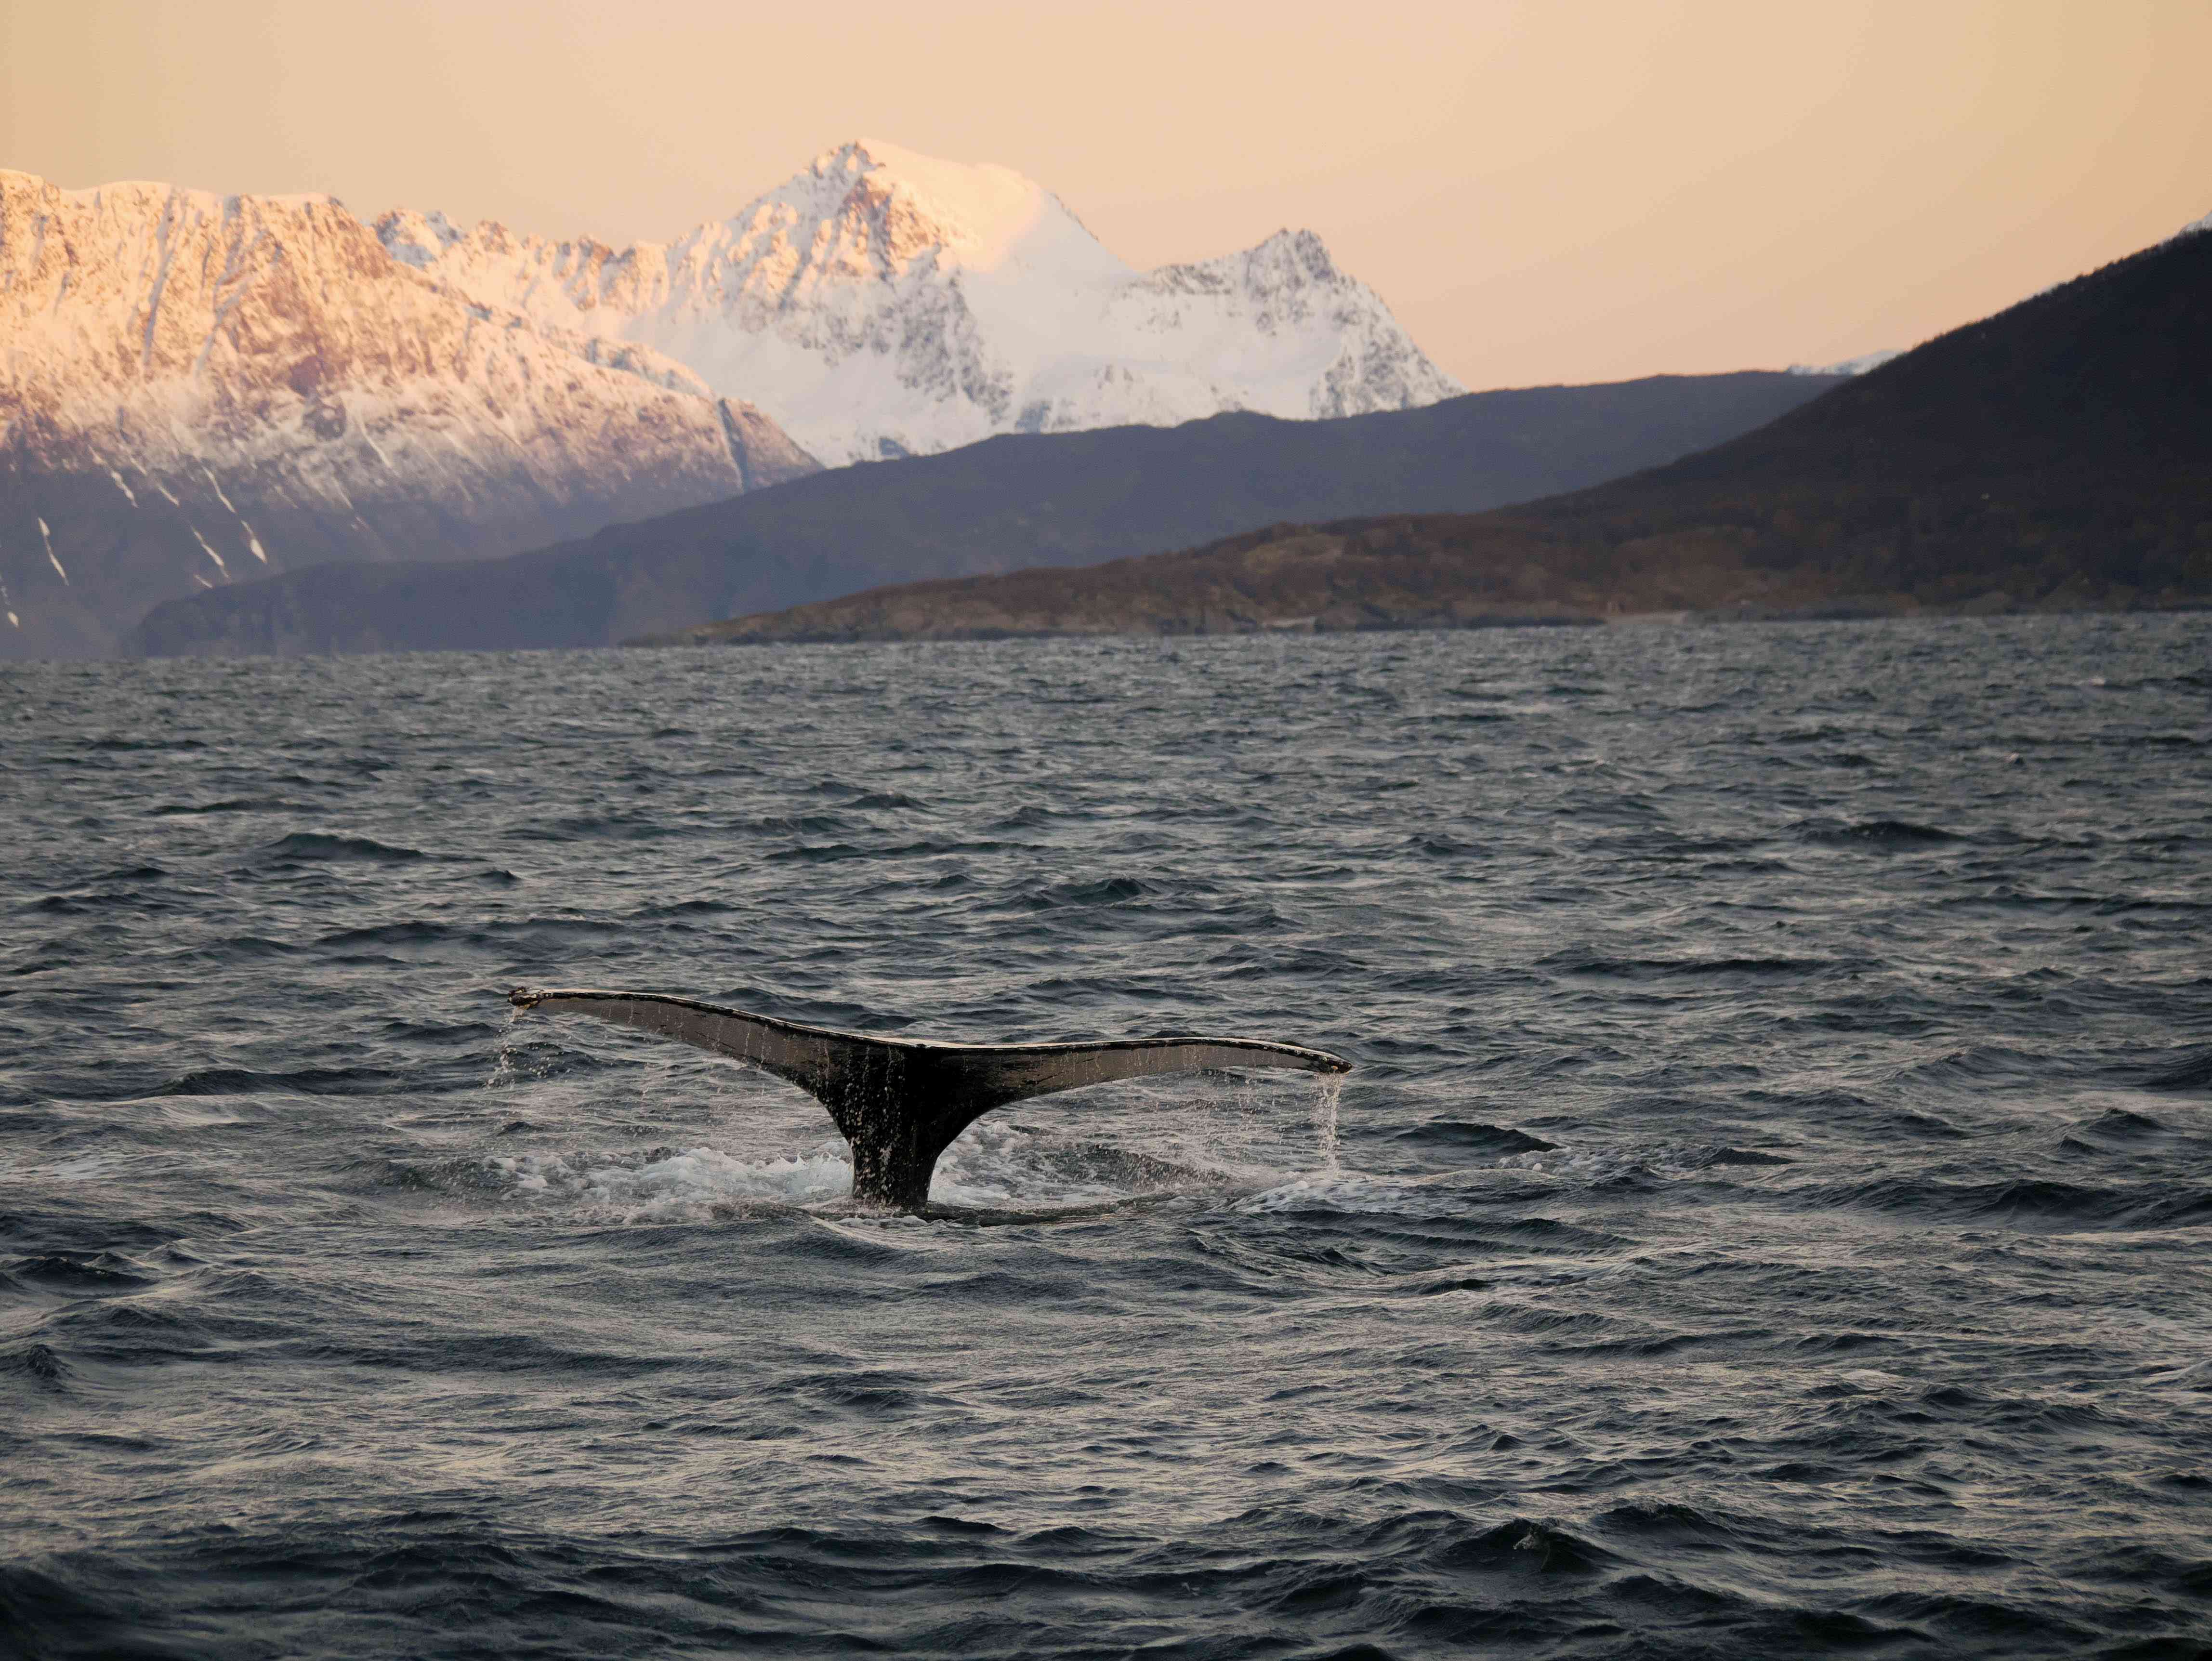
(1847, 612)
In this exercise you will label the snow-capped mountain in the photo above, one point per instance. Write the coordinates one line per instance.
(881, 303)
(196, 389)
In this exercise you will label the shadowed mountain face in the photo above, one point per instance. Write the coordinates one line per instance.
(2055, 457)
(1007, 504)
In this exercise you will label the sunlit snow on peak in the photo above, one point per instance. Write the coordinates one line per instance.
(975, 217)
(881, 303)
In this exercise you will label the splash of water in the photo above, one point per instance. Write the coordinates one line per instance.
(503, 1074)
(1328, 1091)
(673, 1184)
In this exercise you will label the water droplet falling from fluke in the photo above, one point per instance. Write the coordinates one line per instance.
(502, 1069)
(1328, 1091)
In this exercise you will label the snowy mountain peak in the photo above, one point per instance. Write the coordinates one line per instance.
(886, 211)
(196, 389)
(1287, 260)
(880, 302)
(975, 216)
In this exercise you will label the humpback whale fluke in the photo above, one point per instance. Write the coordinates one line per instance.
(900, 1102)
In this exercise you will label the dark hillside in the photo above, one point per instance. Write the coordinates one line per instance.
(2062, 448)
(1006, 504)
(2058, 456)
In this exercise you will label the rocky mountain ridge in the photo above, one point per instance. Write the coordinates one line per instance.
(197, 389)
(881, 303)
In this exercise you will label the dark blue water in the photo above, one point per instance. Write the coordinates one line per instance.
(1770, 1216)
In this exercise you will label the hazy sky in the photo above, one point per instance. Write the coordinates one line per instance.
(1541, 191)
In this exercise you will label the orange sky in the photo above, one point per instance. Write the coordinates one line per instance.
(1542, 192)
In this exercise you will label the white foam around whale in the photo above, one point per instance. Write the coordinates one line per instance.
(675, 1186)
(991, 1167)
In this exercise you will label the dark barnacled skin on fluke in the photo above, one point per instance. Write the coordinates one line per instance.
(900, 1102)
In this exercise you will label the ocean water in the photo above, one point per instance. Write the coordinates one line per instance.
(1771, 1212)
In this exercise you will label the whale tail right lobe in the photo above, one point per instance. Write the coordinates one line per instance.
(900, 1102)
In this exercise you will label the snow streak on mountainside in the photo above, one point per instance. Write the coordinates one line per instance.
(881, 303)
(197, 389)
(1852, 365)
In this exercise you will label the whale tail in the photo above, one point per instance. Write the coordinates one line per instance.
(900, 1102)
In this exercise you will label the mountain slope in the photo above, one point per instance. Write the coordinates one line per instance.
(1009, 502)
(881, 303)
(2057, 456)
(197, 389)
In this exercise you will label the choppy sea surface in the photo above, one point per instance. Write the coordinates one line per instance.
(1771, 1213)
